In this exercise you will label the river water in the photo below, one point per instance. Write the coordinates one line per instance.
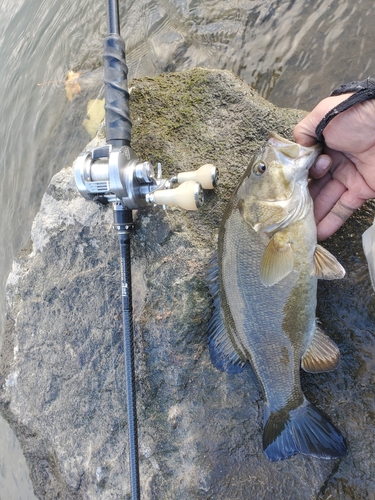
(293, 52)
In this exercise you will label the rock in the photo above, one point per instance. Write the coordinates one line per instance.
(200, 430)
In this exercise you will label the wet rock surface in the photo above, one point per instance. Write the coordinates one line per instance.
(200, 430)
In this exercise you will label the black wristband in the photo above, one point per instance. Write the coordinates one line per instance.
(363, 91)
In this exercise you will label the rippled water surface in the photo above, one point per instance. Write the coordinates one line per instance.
(292, 52)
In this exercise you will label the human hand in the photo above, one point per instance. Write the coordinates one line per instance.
(343, 177)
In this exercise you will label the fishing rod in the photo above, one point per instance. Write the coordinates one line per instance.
(113, 175)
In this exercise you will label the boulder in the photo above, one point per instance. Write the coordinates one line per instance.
(200, 430)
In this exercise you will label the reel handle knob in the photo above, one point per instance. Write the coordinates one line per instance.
(189, 195)
(207, 176)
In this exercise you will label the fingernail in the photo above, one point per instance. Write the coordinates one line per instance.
(323, 163)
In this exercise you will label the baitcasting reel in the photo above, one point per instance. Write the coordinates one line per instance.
(113, 175)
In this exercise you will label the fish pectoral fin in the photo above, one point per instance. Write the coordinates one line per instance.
(326, 266)
(277, 261)
(322, 355)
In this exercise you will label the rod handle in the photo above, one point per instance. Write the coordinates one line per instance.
(117, 113)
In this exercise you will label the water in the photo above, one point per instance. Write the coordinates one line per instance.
(15, 483)
(292, 52)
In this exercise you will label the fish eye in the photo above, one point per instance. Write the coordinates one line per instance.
(260, 168)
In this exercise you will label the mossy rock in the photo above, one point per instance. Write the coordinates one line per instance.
(62, 370)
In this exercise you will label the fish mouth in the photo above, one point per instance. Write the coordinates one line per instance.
(291, 149)
(287, 150)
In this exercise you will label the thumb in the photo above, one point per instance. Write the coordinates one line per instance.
(304, 131)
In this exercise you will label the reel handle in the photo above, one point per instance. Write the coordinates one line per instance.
(207, 176)
(189, 195)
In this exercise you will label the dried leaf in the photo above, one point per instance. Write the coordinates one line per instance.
(95, 114)
(72, 87)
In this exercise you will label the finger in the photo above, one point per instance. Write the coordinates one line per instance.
(327, 197)
(327, 190)
(330, 159)
(304, 131)
(329, 225)
(340, 212)
(349, 174)
(316, 185)
(321, 166)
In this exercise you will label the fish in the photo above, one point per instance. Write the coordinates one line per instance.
(263, 284)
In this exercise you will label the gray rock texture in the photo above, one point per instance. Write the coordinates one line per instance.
(200, 430)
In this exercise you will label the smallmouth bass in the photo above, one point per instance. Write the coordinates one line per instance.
(263, 283)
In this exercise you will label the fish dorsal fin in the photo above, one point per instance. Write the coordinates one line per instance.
(277, 261)
(223, 355)
(322, 355)
(326, 266)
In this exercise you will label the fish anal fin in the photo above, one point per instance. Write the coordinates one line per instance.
(303, 430)
(326, 266)
(322, 355)
(277, 261)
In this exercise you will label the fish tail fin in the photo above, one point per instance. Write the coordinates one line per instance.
(303, 430)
